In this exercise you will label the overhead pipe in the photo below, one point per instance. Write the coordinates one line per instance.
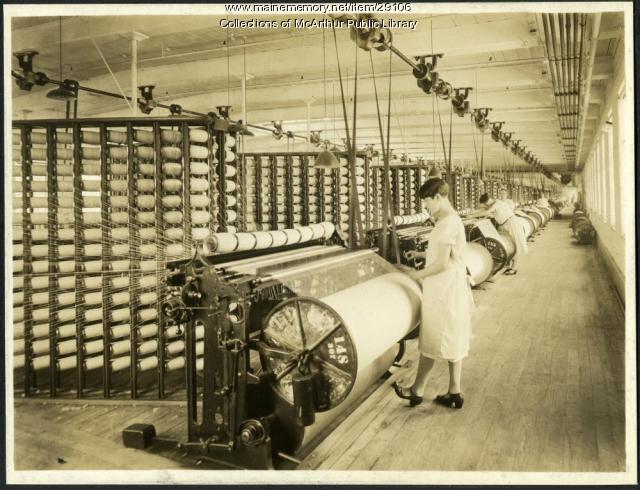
(563, 41)
(584, 106)
(382, 42)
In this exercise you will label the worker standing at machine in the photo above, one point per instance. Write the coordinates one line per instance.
(504, 197)
(506, 219)
(543, 201)
(445, 329)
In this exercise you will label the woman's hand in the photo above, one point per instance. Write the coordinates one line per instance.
(441, 263)
(405, 268)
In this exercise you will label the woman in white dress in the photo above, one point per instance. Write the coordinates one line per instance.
(508, 222)
(447, 303)
(504, 197)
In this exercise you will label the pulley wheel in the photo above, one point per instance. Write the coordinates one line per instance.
(304, 334)
(498, 254)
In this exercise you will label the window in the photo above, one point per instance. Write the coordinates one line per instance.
(611, 190)
(623, 164)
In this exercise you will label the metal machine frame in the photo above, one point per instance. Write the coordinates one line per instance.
(232, 420)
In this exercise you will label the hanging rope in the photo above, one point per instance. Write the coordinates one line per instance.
(475, 149)
(356, 211)
(450, 141)
(386, 211)
(444, 146)
(350, 148)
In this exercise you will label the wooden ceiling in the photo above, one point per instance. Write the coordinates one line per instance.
(292, 74)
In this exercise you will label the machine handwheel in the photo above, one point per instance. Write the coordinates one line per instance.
(498, 254)
(305, 335)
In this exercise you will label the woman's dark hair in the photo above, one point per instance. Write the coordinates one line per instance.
(484, 198)
(432, 187)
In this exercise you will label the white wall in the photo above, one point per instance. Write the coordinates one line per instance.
(607, 176)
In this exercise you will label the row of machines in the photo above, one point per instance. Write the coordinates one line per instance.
(286, 329)
(488, 250)
(101, 205)
(581, 226)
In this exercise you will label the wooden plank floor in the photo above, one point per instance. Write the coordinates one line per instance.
(544, 389)
(543, 385)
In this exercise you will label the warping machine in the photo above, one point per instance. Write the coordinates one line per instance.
(284, 331)
(100, 206)
(483, 233)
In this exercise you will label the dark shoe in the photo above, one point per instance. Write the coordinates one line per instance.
(411, 396)
(450, 400)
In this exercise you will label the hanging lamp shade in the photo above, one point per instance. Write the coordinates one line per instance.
(245, 132)
(63, 92)
(326, 159)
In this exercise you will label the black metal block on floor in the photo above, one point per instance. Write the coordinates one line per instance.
(138, 436)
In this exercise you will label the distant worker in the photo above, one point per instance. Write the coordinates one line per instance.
(504, 197)
(506, 219)
(543, 201)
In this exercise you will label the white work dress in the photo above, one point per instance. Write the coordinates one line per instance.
(446, 297)
(508, 222)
